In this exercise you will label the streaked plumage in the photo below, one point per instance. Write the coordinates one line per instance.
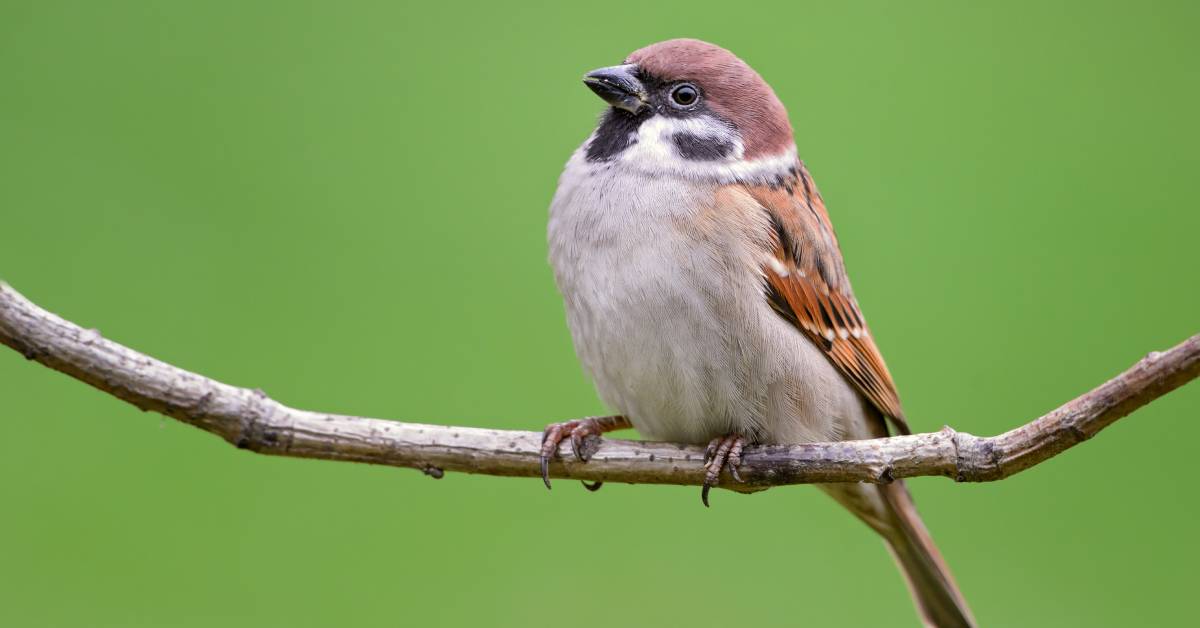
(705, 290)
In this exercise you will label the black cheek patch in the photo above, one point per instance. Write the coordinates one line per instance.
(697, 148)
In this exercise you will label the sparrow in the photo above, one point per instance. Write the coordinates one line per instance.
(706, 293)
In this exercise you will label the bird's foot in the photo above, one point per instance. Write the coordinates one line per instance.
(725, 451)
(578, 430)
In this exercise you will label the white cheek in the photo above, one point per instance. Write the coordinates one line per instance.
(654, 153)
(655, 145)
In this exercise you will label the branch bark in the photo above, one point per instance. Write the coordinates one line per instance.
(250, 420)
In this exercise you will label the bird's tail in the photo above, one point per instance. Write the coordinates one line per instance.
(890, 511)
(929, 580)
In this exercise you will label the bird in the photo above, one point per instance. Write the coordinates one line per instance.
(706, 293)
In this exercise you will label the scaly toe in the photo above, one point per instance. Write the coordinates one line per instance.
(735, 458)
(584, 435)
(551, 437)
(725, 451)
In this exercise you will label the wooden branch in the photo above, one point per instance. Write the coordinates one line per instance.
(251, 420)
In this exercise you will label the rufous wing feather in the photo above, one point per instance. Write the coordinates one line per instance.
(807, 285)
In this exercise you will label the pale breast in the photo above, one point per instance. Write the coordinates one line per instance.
(664, 297)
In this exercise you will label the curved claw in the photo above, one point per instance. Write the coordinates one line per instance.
(546, 472)
(594, 486)
(725, 451)
(551, 436)
(578, 430)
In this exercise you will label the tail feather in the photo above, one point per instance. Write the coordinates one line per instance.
(889, 510)
(929, 580)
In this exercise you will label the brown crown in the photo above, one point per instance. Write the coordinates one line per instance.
(732, 89)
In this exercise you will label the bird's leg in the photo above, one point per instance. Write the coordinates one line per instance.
(724, 451)
(577, 430)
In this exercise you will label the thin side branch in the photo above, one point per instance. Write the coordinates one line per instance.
(251, 420)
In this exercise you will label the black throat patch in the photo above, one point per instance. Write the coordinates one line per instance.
(617, 131)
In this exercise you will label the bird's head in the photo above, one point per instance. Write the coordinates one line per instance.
(688, 107)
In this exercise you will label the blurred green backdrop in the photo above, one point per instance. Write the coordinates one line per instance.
(344, 204)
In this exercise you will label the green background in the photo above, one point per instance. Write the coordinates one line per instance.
(344, 204)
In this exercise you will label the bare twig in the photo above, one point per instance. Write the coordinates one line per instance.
(251, 420)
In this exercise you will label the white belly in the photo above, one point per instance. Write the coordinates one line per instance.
(665, 302)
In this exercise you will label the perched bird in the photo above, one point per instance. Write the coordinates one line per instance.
(706, 293)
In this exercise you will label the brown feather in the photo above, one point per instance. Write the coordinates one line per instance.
(731, 87)
(810, 289)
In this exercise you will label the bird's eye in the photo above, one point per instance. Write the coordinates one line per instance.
(685, 95)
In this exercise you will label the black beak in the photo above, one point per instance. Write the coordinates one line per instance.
(619, 87)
